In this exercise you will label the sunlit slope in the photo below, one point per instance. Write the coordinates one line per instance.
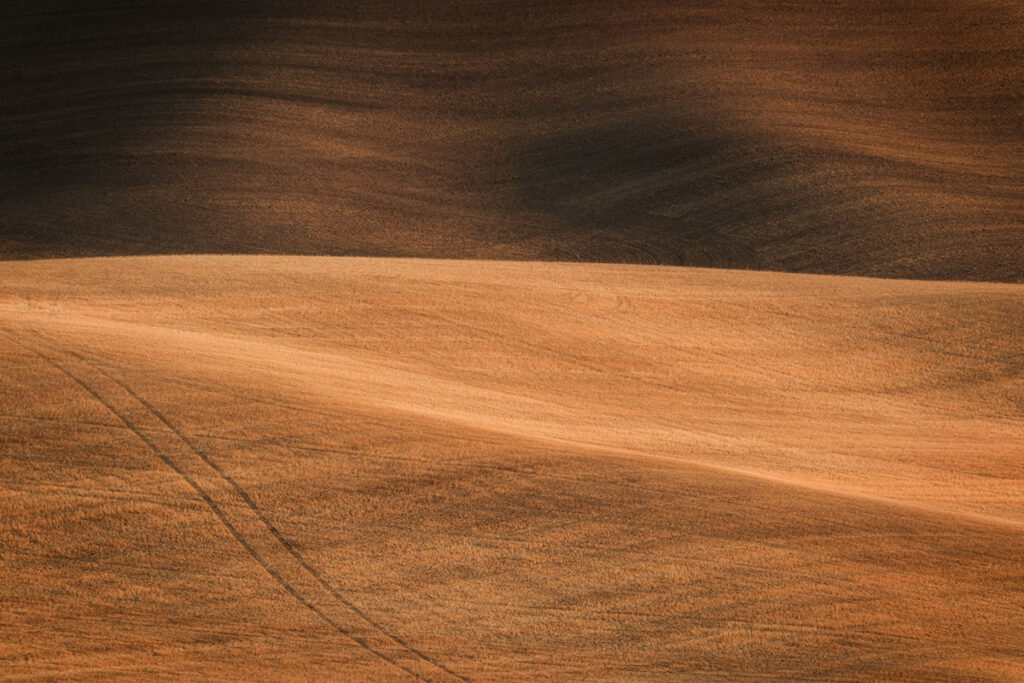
(867, 138)
(316, 467)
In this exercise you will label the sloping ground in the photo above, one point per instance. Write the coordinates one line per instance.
(866, 138)
(238, 467)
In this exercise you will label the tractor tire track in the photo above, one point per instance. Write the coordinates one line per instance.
(274, 531)
(243, 519)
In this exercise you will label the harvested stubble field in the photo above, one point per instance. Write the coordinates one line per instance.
(295, 467)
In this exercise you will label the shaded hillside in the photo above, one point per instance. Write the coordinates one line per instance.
(855, 139)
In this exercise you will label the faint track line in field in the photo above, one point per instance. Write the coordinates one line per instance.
(251, 504)
(658, 453)
(279, 539)
(201, 492)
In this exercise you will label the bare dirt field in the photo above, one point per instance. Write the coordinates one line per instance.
(317, 468)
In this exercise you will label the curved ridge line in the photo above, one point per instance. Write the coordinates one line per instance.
(251, 504)
(221, 516)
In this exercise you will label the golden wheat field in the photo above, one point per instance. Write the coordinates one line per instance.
(511, 340)
(308, 467)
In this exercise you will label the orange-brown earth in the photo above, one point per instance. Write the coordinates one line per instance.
(322, 468)
(298, 467)
(861, 137)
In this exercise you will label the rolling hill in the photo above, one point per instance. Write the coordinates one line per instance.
(862, 138)
(492, 340)
(313, 468)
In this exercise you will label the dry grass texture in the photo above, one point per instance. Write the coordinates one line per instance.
(340, 464)
(238, 467)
